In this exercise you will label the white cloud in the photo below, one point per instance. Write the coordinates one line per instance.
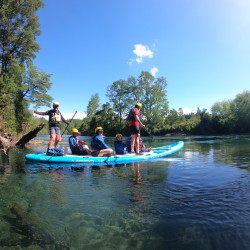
(141, 51)
(139, 60)
(187, 111)
(153, 71)
(69, 116)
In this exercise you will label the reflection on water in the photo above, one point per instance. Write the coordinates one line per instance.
(196, 199)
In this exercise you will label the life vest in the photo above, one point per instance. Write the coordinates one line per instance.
(55, 118)
(131, 116)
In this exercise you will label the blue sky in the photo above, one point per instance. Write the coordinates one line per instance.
(202, 48)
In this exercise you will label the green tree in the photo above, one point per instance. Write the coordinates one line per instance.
(84, 126)
(21, 83)
(205, 122)
(34, 87)
(151, 92)
(118, 94)
(153, 99)
(18, 28)
(241, 111)
(107, 119)
(223, 117)
(93, 105)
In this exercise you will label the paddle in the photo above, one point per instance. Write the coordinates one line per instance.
(69, 123)
(65, 130)
(152, 136)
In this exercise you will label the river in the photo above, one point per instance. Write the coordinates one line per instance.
(197, 198)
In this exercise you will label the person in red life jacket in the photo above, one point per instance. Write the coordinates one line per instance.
(134, 127)
(55, 119)
(98, 145)
(120, 146)
(77, 146)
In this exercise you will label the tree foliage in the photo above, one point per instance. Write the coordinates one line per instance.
(231, 116)
(21, 83)
(241, 111)
(93, 105)
(18, 28)
(151, 92)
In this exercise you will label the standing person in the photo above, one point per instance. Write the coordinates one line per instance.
(77, 146)
(98, 145)
(134, 127)
(55, 119)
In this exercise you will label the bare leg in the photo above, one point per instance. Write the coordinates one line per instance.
(137, 142)
(56, 144)
(105, 152)
(132, 143)
(50, 143)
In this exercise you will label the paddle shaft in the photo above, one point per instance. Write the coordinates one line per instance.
(152, 136)
(68, 124)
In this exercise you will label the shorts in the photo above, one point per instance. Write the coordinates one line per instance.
(80, 151)
(55, 133)
(134, 129)
(95, 153)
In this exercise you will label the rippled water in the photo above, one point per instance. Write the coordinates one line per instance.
(197, 198)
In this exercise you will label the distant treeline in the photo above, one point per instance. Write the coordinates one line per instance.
(227, 117)
(23, 85)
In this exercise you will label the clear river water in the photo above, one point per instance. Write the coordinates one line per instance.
(198, 198)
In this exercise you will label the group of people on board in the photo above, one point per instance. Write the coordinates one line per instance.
(98, 147)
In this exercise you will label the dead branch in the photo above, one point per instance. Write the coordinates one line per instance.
(19, 140)
(30, 135)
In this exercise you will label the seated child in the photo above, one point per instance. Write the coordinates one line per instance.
(120, 146)
(143, 148)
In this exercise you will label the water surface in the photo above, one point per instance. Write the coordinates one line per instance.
(197, 198)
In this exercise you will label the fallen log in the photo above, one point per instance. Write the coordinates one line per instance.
(19, 140)
(30, 135)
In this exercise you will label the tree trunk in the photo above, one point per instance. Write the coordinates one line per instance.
(20, 140)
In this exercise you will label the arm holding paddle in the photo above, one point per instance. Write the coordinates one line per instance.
(138, 120)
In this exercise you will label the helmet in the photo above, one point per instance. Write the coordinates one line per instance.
(74, 130)
(118, 135)
(56, 104)
(138, 104)
(98, 128)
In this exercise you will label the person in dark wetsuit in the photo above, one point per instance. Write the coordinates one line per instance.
(55, 119)
(77, 146)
